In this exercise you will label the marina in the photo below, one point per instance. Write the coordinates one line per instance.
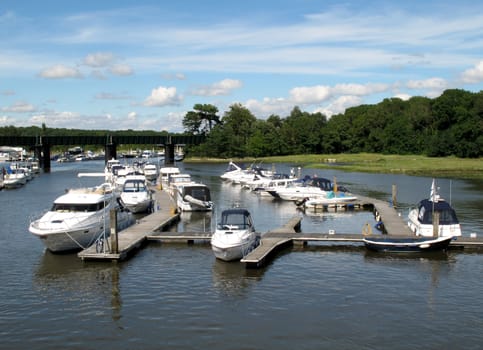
(153, 227)
(171, 291)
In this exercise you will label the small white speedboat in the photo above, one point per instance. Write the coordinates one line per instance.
(235, 235)
(136, 196)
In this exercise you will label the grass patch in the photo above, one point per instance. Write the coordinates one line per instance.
(451, 167)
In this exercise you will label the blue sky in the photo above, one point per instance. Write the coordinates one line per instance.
(143, 64)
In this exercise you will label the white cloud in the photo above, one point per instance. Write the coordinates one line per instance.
(269, 106)
(162, 96)
(358, 89)
(309, 94)
(473, 75)
(132, 115)
(6, 120)
(121, 69)
(403, 96)
(339, 105)
(19, 107)
(431, 83)
(60, 72)
(173, 76)
(223, 87)
(99, 59)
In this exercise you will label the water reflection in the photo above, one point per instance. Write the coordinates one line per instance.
(94, 286)
(233, 278)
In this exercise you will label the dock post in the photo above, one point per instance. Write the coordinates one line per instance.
(113, 227)
(394, 195)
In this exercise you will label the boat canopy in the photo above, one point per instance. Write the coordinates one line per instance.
(447, 215)
(236, 217)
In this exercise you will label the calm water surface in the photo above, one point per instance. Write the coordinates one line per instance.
(180, 297)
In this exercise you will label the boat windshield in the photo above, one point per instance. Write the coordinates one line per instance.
(134, 186)
(76, 207)
(235, 221)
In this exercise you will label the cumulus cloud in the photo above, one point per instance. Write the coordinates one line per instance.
(223, 87)
(309, 94)
(403, 96)
(162, 96)
(60, 72)
(359, 89)
(339, 105)
(473, 75)
(19, 107)
(269, 106)
(99, 59)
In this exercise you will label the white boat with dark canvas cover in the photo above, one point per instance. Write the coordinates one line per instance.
(235, 235)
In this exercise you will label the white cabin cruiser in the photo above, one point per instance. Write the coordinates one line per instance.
(193, 197)
(79, 218)
(306, 188)
(235, 235)
(150, 171)
(420, 219)
(135, 195)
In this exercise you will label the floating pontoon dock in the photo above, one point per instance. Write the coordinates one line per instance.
(152, 226)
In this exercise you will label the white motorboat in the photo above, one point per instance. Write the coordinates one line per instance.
(79, 218)
(165, 173)
(135, 195)
(150, 171)
(14, 178)
(330, 200)
(420, 219)
(193, 197)
(235, 235)
(176, 180)
(308, 188)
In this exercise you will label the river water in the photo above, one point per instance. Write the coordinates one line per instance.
(178, 296)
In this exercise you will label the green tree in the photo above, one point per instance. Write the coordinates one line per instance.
(201, 120)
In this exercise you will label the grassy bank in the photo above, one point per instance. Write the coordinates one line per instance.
(450, 167)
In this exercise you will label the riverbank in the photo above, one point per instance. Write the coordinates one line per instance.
(416, 165)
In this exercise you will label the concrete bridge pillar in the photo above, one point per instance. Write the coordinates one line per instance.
(110, 152)
(168, 154)
(42, 152)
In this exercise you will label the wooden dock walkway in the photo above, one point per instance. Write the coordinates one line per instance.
(150, 228)
(134, 236)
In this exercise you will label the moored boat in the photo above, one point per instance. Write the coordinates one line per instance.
(420, 219)
(193, 197)
(79, 218)
(393, 244)
(136, 196)
(235, 235)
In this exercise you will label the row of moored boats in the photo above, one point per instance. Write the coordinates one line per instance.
(81, 217)
(18, 174)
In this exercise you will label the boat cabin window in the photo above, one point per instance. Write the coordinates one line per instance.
(76, 207)
(447, 215)
(240, 221)
(201, 193)
(134, 186)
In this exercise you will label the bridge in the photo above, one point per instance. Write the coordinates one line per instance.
(41, 145)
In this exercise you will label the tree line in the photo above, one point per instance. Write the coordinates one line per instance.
(449, 125)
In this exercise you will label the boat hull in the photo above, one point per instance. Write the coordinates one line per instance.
(59, 238)
(406, 245)
(234, 252)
